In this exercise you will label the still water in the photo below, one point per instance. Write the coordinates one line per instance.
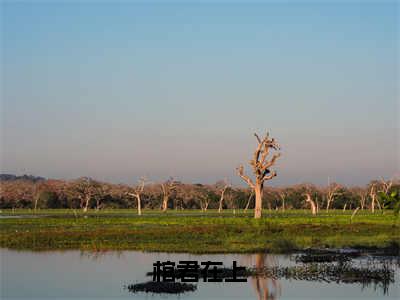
(83, 275)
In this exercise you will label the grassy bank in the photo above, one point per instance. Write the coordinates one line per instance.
(194, 231)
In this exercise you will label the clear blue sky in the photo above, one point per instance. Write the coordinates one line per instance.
(119, 91)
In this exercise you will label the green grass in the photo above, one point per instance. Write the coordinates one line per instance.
(195, 231)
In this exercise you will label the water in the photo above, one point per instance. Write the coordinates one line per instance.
(77, 275)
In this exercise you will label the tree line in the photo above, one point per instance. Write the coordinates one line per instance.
(85, 193)
(89, 194)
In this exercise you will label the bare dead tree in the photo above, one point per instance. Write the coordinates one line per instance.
(231, 200)
(375, 188)
(282, 195)
(372, 194)
(222, 191)
(204, 202)
(202, 195)
(85, 189)
(317, 204)
(386, 185)
(167, 188)
(362, 193)
(137, 192)
(261, 169)
(312, 204)
(331, 192)
(36, 197)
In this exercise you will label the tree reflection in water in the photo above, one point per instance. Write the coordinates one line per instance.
(266, 288)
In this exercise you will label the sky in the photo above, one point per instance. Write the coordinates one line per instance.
(117, 91)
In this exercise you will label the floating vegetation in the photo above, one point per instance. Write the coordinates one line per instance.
(161, 287)
(343, 272)
(327, 255)
(321, 258)
(388, 254)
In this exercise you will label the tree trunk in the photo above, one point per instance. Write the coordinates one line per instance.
(379, 204)
(165, 203)
(258, 192)
(139, 206)
(220, 204)
(85, 209)
(221, 200)
(312, 203)
(327, 205)
(373, 204)
(313, 208)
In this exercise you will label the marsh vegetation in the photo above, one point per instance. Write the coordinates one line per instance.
(195, 231)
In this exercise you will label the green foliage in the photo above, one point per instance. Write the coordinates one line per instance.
(391, 201)
(48, 199)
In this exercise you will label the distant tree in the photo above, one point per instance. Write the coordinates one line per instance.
(85, 189)
(221, 187)
(49, 199)
(362, 194)
(17, 193)
(117, 196)
(373, 195)
(231, 199)
(331, 192)
(310, 193)
(392, 201)
(389, 196)
(313, 206)
(203, 195)
(137, 192)
(282, 194)
(167, 188)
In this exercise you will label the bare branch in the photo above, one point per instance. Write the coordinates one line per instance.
(386, 185)
(240, 172)
(272, 175)
(271, 162)
(257, 137)
(133, 195)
